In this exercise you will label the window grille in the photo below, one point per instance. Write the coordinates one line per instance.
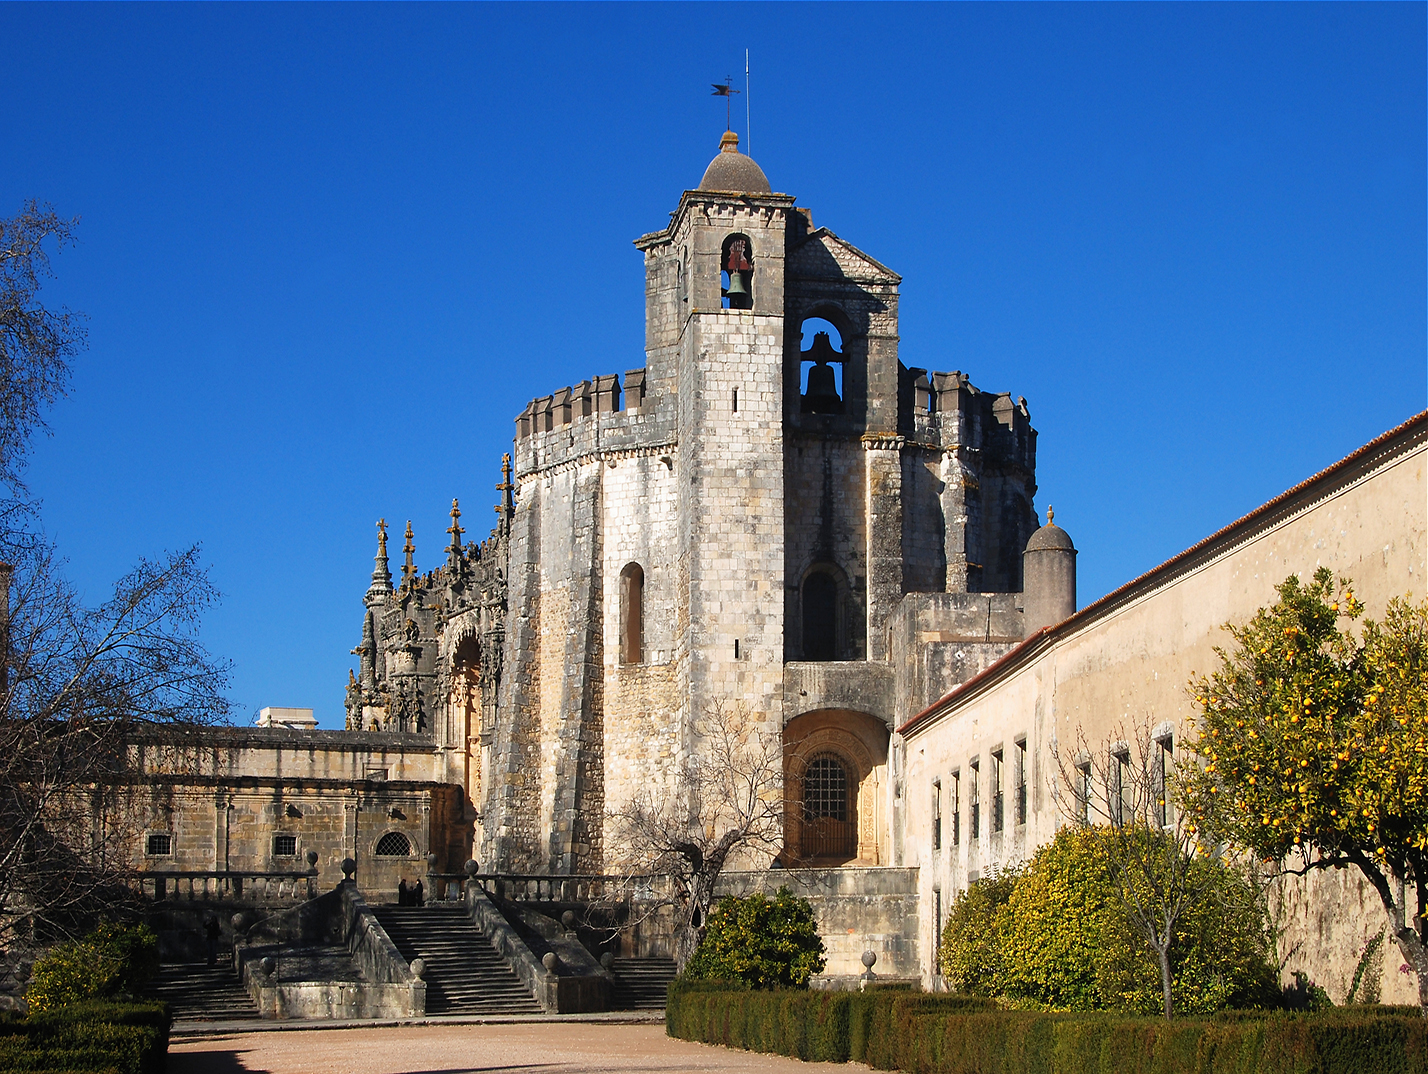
(975, 811)
(394, 845)
(284, 846)
(827, 828)
(936, 814)
(955, 792)
(1021, 782)
(159, 844)
(998, 802)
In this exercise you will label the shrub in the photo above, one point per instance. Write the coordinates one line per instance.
(1056, 935)
(762, 942)
(941, 1034)
(88, 1036)
(971, 954)
(113, 960)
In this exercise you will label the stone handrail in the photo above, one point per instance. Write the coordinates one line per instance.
(227, 885)
(570, 887)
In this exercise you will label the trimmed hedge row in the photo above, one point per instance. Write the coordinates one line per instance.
(92, 1037)
(919, 1033)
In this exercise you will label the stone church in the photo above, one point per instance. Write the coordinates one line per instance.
(768, 514)
(774, 516)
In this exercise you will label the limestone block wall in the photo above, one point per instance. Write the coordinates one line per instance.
(939, 640)
(1127, 658)
(857, 910)
(732, 508)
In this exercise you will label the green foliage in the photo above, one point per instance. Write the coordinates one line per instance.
(1055, 935)
(944, 1034)
(113, 960)
(1053, 926)
(1313, 741)
(971, 954)
(762, 942)
(88, 1036)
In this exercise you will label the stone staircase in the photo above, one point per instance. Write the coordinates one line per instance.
(643, 983)
(197, 992)
(464, 974)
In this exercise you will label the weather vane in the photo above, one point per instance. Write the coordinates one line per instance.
(726, 90)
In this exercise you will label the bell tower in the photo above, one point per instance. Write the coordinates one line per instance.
(715, 342)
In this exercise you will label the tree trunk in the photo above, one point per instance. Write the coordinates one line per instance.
(1164, 953)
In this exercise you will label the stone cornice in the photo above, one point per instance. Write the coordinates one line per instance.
(598, 455)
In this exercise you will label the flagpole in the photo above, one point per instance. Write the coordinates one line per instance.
(748, 111)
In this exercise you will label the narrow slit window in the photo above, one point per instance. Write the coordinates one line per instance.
(954, 801)
(974, 813)
(1021, 781)
(998, 801)
(1164, 754)
(632, 614)
(936, 814)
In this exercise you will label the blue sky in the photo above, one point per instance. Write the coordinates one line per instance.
(329, 252)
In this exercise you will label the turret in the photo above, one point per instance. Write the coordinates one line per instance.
(1049, 576)
(381, 587)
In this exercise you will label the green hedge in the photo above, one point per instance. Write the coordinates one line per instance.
(919, 1033)
(93, 1037)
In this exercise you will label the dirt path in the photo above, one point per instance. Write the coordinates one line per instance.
(538, 1048)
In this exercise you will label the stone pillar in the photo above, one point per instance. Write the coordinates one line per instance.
(884, 512)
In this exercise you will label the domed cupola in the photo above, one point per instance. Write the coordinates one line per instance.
(1048, 576)
(733, 173)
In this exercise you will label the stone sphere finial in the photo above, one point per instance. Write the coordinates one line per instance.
(418, 967)
(568, 920)
(239, 920)
(312, 860)
(549, 961)
(268, 965)
(607, 959)
(869, 958)
(431, 862)
(472, 866)
(349, 868)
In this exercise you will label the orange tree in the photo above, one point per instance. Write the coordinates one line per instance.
(1314, 747)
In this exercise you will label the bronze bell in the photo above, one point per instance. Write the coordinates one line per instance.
(736, 284)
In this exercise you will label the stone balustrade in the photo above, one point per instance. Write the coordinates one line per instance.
(227, 886)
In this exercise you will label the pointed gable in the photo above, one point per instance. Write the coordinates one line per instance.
(824, 256)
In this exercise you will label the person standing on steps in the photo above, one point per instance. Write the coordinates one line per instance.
(418, 899)
(403, 897)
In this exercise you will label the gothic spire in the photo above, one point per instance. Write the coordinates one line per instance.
(453, 550)
(409, 571)
(507, 507)
(381, 575)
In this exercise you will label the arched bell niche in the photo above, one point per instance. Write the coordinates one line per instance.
(820, 371)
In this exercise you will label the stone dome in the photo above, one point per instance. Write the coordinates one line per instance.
(1050, 536)
(732, 171)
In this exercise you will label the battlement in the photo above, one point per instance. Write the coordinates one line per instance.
(589, 398)
(952, 408)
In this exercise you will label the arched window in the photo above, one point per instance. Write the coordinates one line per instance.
(828, 829)
(820, 617)
(736, 273)
(821, 367)
(394, 845)
(632, 614)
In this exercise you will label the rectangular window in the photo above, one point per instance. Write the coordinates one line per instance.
(1164, 755)
(937, 938)
(1083, 791)
(954, 793)
(284, 846)
(975, 809)
(1120, 785)
(936, 814)
(1021, 781)
(998, 801)
(159, 844)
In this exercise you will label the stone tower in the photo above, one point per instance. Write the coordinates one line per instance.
(772, 514)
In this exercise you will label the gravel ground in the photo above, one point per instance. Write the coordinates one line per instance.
(540, 1048)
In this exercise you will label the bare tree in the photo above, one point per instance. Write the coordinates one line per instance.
(77, 684)
(726, 797)
(1125, 785)
(35, 342)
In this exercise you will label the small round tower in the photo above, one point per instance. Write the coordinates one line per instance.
(1049, 576)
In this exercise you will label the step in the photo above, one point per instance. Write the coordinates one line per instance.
(199, 992)
(463, 971)
(643, 983)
